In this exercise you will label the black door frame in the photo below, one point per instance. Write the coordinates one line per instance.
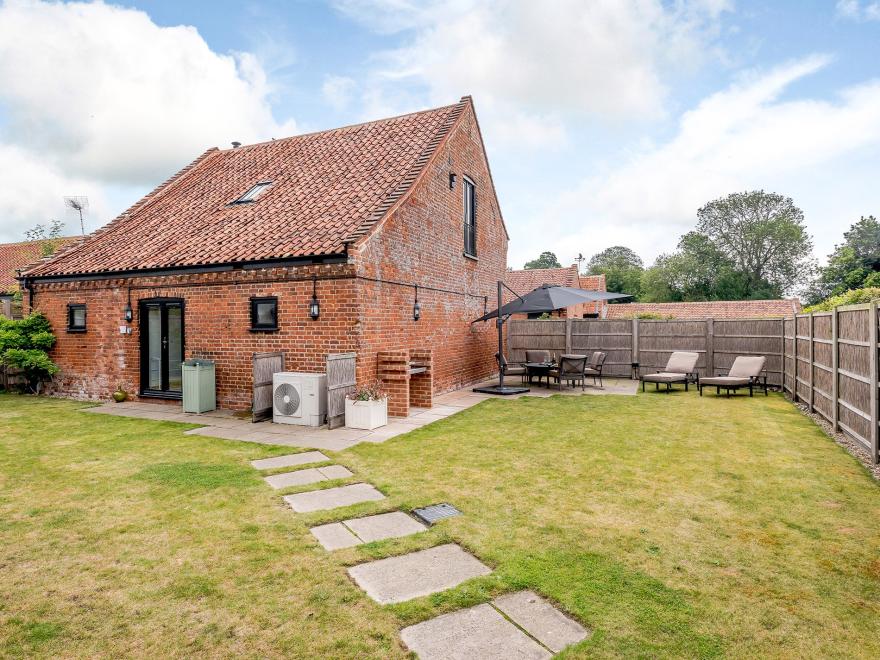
(163, 304)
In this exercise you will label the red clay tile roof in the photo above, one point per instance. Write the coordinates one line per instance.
(15, 256)
(528, 279)
(328, 188)
(716, 309)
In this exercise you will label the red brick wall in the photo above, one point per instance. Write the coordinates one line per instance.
(421, 242)
(216, 321)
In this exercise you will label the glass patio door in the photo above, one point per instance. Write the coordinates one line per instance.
(161, 326)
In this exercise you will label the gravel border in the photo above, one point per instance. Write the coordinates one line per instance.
(853, 447)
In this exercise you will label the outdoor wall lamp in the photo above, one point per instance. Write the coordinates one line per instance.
(451, 180)
(417, 308)
(314, 306)
(127, 313)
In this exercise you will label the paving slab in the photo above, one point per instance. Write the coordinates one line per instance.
(335, 472)
(402, 578)
(475, 632)
(335, 536)
(289, 460)
(332, 498)
(297, 478)
(541, 620)
(384, 526)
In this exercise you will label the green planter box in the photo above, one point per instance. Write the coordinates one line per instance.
(199, 386)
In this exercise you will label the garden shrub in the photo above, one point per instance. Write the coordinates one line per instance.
(851, 297)
(23, 346)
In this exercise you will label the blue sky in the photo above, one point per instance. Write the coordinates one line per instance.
(606, 122)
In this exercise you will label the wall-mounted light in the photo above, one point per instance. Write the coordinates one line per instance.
(417, 308)
(451, 180)
(127, 312)
(314, 306)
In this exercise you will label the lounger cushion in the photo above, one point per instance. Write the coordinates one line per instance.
(747, 366)
(725, 381)
(681, 362)
(664, 377)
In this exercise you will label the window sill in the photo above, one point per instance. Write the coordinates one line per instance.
(472, 257)
(263, 329)
(76, 331)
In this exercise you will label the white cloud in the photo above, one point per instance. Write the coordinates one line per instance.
(100, 95)
(745, 137)
(534, 64)
(857, 11)
(338, 90)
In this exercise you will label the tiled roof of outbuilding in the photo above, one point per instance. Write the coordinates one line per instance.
(14, 256)
(328, 188)
(713, 309)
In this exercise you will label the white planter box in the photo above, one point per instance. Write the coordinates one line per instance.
(367, 415)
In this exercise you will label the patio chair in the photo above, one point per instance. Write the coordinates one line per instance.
(537, 356)
(679, 369)
(745, 372)
(571, 369)
(594, 368)
(508, 370)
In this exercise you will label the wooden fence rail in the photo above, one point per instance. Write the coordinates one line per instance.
(828, 360)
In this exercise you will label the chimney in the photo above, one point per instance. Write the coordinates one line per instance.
(236, 145)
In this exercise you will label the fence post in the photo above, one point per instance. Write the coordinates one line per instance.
(567, 335)
(782, 342)
(875, 413)
(835, 408)
(635, 344)
(710, 347)
(796, 360)
(812, 359)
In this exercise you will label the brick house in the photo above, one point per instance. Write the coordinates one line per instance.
(18, 256)
(528, 279)
(710, 309)
(227, 257)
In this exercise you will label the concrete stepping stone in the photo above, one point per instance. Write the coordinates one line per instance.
(332, 498)
(384, 526)
(307, 476)
(402, 578)
(541, 620)
(356, 531)
(289, 460)
(335, 536)
(475, 632)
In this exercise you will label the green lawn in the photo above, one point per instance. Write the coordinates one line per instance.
(671, 525)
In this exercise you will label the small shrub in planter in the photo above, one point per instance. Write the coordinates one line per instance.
(366, 408)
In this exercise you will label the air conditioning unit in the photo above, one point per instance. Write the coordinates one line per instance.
(299, 398)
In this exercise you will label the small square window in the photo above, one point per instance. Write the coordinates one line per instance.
(264, 314)
(252, 194)
(76, 318)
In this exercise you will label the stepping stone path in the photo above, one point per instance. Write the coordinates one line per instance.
(356, 531)
(520, 625)
(307, 476)
(331, 498)
(290, 460)
(402, 578)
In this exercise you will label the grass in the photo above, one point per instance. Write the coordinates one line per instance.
(671, 525)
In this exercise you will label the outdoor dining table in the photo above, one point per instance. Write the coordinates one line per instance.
(539, 370)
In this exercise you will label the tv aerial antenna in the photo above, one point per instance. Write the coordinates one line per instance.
(78, 204)
(580, 259)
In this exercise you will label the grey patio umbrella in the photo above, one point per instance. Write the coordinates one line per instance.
(546, 298)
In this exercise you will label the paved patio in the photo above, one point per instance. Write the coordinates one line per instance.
(225, 424)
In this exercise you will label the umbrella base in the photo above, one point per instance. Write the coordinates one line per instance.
(503, 390)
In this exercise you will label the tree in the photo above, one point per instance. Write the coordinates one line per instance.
(23, 346)
(48, 234)
(546, 260)
(854, 264)
(764, 236)
(622, 269)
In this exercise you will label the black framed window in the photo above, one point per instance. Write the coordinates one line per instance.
(76, 318)
(470, 217)
(264, 314)
(253, 193)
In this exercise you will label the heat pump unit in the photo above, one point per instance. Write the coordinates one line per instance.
(299, 398)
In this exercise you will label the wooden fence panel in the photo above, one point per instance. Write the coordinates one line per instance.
(612, 337)
(527, 334)
(265, 366)
(733, 337)
(341, 381)
(659, 339)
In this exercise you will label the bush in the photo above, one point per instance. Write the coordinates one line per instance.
(23, 346)
(851, 297)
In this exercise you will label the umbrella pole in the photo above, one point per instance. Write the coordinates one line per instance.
(499, 323)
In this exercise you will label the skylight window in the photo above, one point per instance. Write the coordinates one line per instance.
(252, 194)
